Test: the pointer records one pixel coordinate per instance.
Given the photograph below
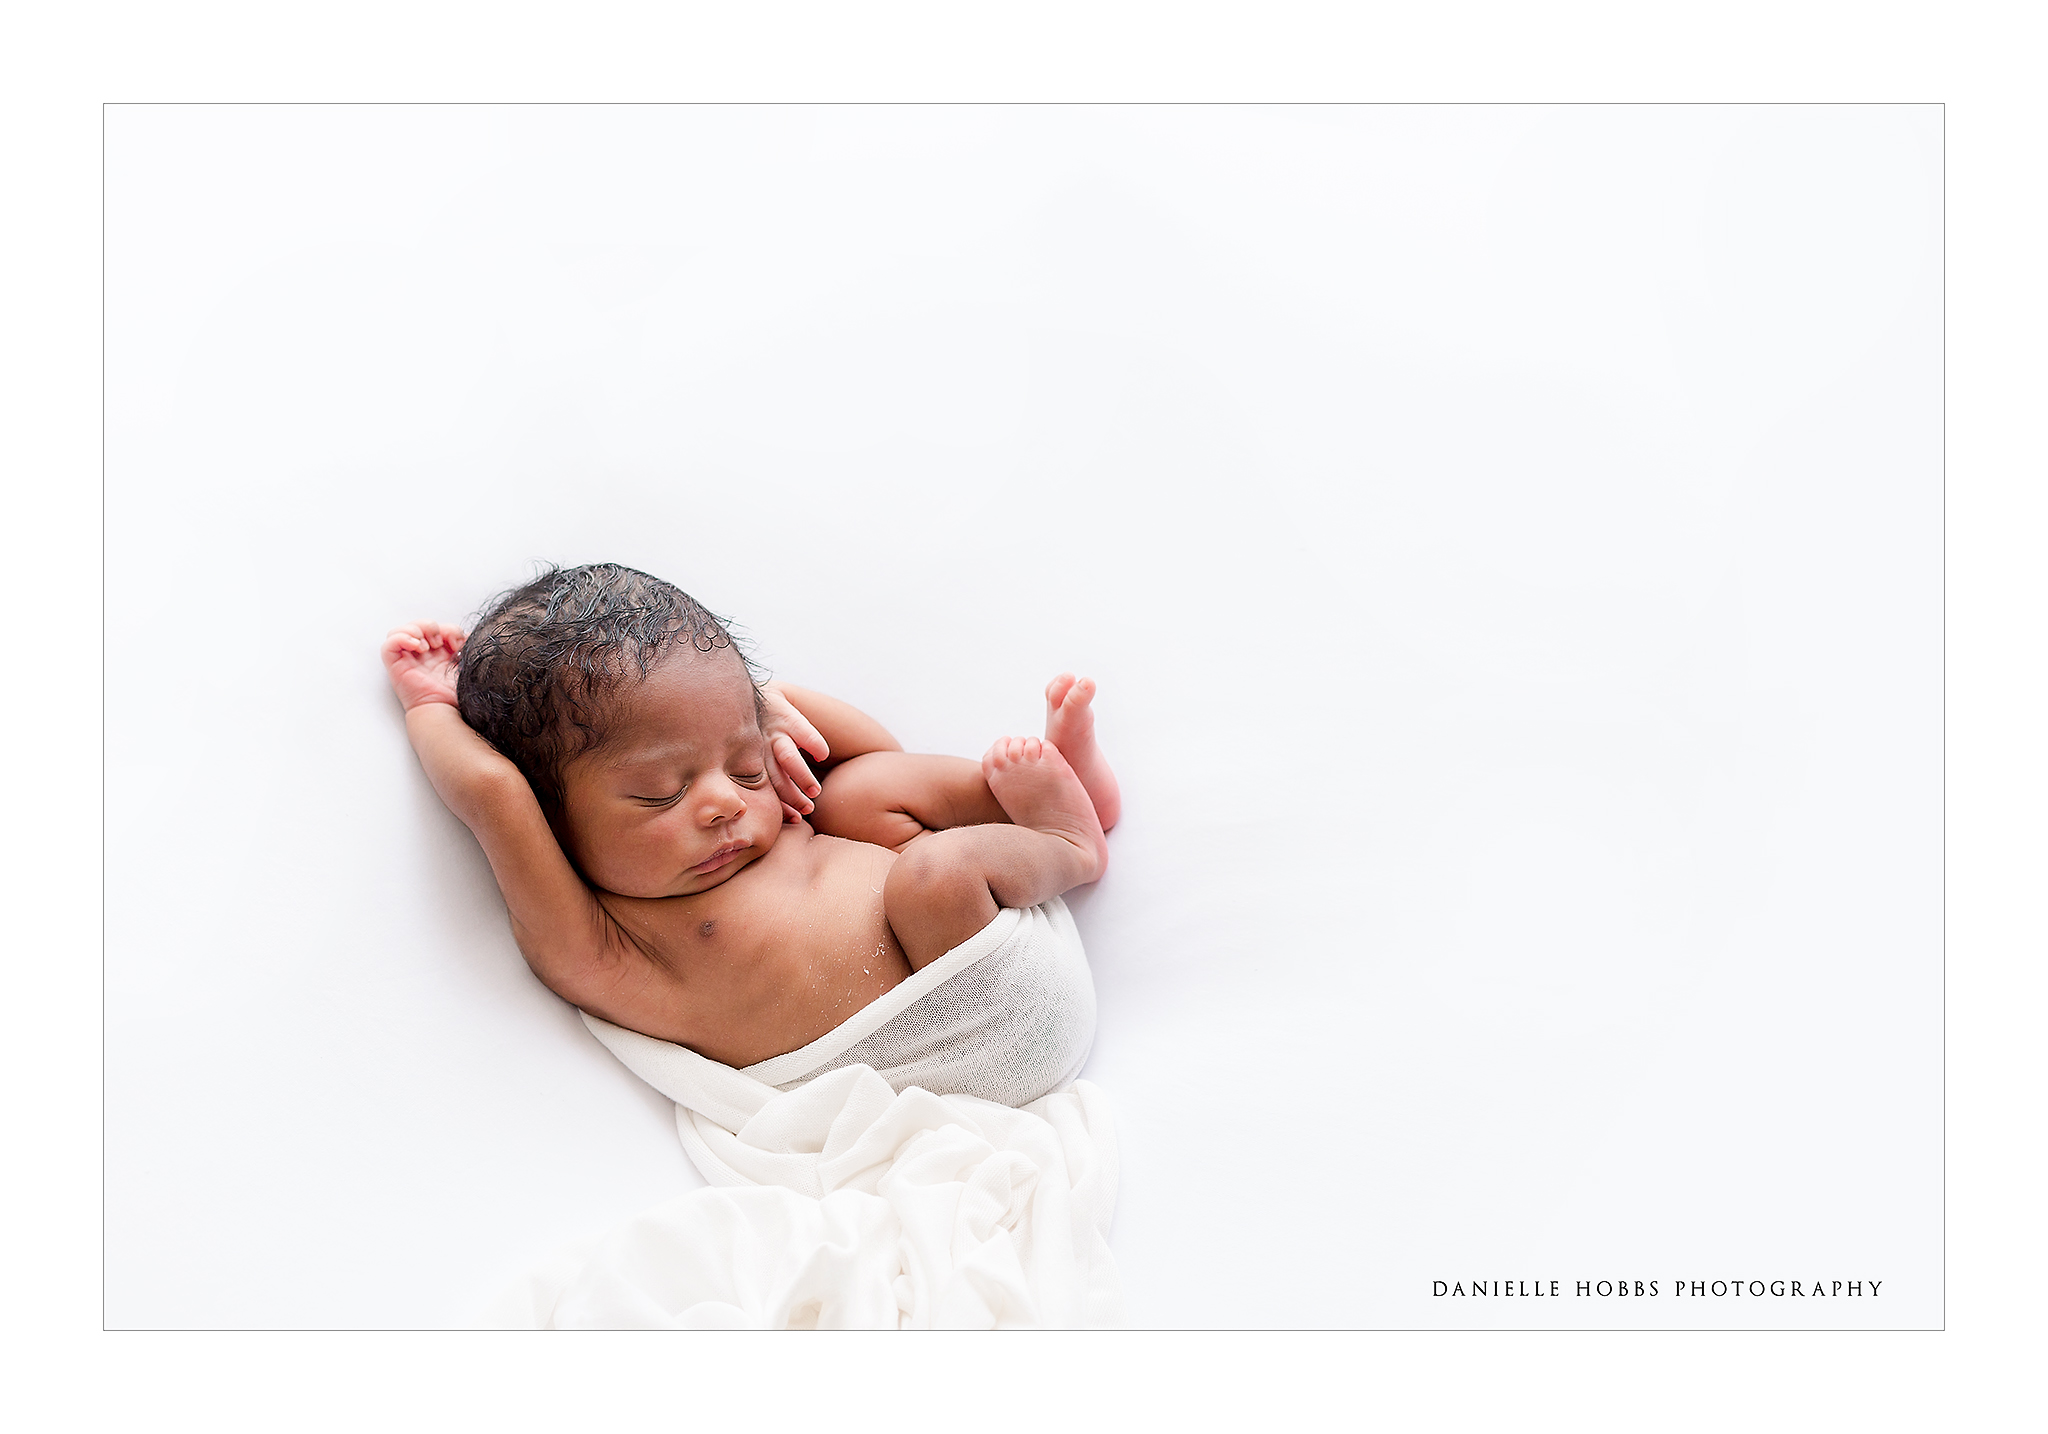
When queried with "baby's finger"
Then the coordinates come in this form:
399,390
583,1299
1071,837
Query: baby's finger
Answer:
439,634
785,787
792,763
808,737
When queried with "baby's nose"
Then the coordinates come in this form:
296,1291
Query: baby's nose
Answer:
723,800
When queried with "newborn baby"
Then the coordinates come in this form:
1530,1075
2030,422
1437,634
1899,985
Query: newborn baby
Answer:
671,862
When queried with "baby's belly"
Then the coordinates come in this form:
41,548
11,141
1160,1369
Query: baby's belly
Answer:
849,954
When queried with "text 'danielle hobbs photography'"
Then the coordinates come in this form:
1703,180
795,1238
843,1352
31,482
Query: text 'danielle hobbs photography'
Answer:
1655,1288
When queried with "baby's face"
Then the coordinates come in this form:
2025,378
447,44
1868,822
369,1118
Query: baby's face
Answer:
678,799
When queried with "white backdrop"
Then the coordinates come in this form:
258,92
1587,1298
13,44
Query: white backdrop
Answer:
1508,541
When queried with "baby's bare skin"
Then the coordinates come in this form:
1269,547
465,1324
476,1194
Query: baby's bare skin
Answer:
760,964
707,911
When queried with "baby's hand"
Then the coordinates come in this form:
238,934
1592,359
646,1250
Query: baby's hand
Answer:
788,729
419,658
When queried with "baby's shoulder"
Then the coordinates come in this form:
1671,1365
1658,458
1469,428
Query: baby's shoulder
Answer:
808,876
825,858
803,848
789,873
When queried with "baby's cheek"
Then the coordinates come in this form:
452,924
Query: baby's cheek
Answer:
637,850
667,838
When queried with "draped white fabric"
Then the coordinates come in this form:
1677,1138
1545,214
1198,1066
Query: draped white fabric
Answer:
844,1204
847,1197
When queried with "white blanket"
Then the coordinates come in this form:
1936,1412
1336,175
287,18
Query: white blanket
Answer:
843,1203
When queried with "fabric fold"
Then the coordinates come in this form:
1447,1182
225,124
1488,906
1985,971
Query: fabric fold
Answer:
844,1195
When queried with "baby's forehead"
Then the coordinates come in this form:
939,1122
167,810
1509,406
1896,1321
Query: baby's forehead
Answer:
688,698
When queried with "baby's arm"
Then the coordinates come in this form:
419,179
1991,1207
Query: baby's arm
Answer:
830,730
872,790
572,945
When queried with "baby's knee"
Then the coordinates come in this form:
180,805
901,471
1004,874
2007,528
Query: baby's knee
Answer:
935,872
936,897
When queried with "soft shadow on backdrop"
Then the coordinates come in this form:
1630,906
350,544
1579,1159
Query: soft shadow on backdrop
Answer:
1507,539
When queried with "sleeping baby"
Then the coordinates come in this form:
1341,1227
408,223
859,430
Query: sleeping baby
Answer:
673,864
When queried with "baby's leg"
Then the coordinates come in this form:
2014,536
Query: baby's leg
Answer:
951,884
1070,726
889,798
893,798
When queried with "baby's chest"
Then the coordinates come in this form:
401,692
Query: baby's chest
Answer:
771,968
777,913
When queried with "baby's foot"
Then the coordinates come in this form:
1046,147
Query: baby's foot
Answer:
1070,726
1038,789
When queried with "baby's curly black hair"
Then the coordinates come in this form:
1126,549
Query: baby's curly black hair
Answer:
542,658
